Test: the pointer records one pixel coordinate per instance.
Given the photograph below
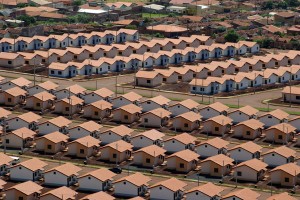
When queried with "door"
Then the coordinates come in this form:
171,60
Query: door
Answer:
216,54
202,57
70,73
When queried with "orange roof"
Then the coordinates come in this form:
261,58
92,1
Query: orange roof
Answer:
147,74
167,28
137,179
254,164
281,196
123,22
24,133
151,134
48,85
32,164
188,103
208,189
220,119
44,96
98,195
291,90
63,193
76,89
15,91
121,130
58,66
219,159
184,138
73,100
283,151
248,110
186,155
130,108
291,168
101,174
87,141
243,194
102,105
55,137
27,188
216,142
248,146
5,159
172,184
67,169
59,121
4,113
279,114
29,117
152,150
104,92
131,96
161,100
90,126
119,145
190,116
283,127
251,123
159,112
21,82
217,106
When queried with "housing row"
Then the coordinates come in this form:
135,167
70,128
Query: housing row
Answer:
99,181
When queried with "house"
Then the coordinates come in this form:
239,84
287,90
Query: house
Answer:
280,133
285,175
29,120
169,77
51,143
291,94
285,18
62,175
296,123
19,82
154,103
249,129
218,125
68,106
97,95
128,114
40,101
274,117
251,170
19,138
184,106
128,98
62,70
11,60
89,128
212,147
158,118
148,78
182,161
243,114
47,86
149,156
147,138
98,195
117,151
242,194
206,191
188,121
217,166
252,47
171,188
96,180
29,170
97,110
116,133
132,185
283,195
4,114
245,151
5,163
185,73
84,147
73,90
279,156
213,110
13,96
60,193
26,190
60,124
179,142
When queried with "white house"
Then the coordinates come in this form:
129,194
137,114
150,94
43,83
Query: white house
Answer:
245,151
179,142
213,110
147,138
128,98
115,134
154,103
183,107
206,191
59,124
243,114
212,147
87,128
97,95
274,117
279,156
29,120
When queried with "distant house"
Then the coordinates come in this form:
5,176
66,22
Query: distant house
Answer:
73,90
212,147
149,156
179,142
29,120
102,93
97,110
291,94
40,101
154,103
68,106
279,156
280,133
13,96
62,70
147,138
98,195
182,161
128,98
183,107
19,138
51,143
47,86
242,194
5,163
129,113
158,117
59,193
18,82
218,165
243,114
218,125
285,175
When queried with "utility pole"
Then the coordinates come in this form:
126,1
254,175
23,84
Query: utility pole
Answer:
4,133
116,85
34,71
290,83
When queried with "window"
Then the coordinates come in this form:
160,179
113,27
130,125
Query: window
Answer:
173,141
194,88
216,128
248,133
49,146
286,180
280,137
124,183
67,109
186,125
147,160
59,73
146,120
54,172
273,154
216,170
96,113
21,198
52,72
38,104
298,97
126,117
7,141
148,81
239,173
270,117
89,178
9,62
181,165
114,155
8,99
81,151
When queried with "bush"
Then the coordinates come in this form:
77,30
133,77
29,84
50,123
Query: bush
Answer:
231,36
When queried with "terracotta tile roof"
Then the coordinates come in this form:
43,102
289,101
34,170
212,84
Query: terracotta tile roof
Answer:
121,130
73,100
152,150
15,91
291,90
9,56
136,198
217,106
272,29
119,145
55,137
59,121
130,108
24,133
188,103
151,134
63,193
186,155
44,96
21,82
220,119
27,188
184,138
98,195
290,168
279,114
159,112
281,196
160,100
283,127
48,85
254,164
58,66
5,159
136,179
190,116
87,141
251,123
76,89
202,82
123,22
131,96
102,105
33,164
167,28
219,159
283,151
216,142
104,92
248,110
243,194
208,189
248,146
172,184
100,174
4,113
67,169
128,31
90,126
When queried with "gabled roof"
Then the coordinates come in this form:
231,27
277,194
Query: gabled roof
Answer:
103,92
188,103
151,134
98,195
248,146
15,91
55,137
102,105
283,151
29,117
90,126
76,89
121,130
48,85
131,96
73,100
159,112
217,106
23,133
119,145
186,155
152,150
220,160
279,114
220,119
215,142
21,82
160,100
251,123
147,74
254,164
101,174
291,168
4,113
27,188
130,108
248,110
32,164
283,127
87,141
183,138
190,116
136,179
243,194
209,189
172,184
67,169
281,196
61,193
5,159
44,96
291,90
59,121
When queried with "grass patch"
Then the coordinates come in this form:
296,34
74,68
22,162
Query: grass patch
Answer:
153,15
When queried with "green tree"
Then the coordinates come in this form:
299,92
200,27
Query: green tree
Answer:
80,18
231,36
134,27
27,19
77,2
267,5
